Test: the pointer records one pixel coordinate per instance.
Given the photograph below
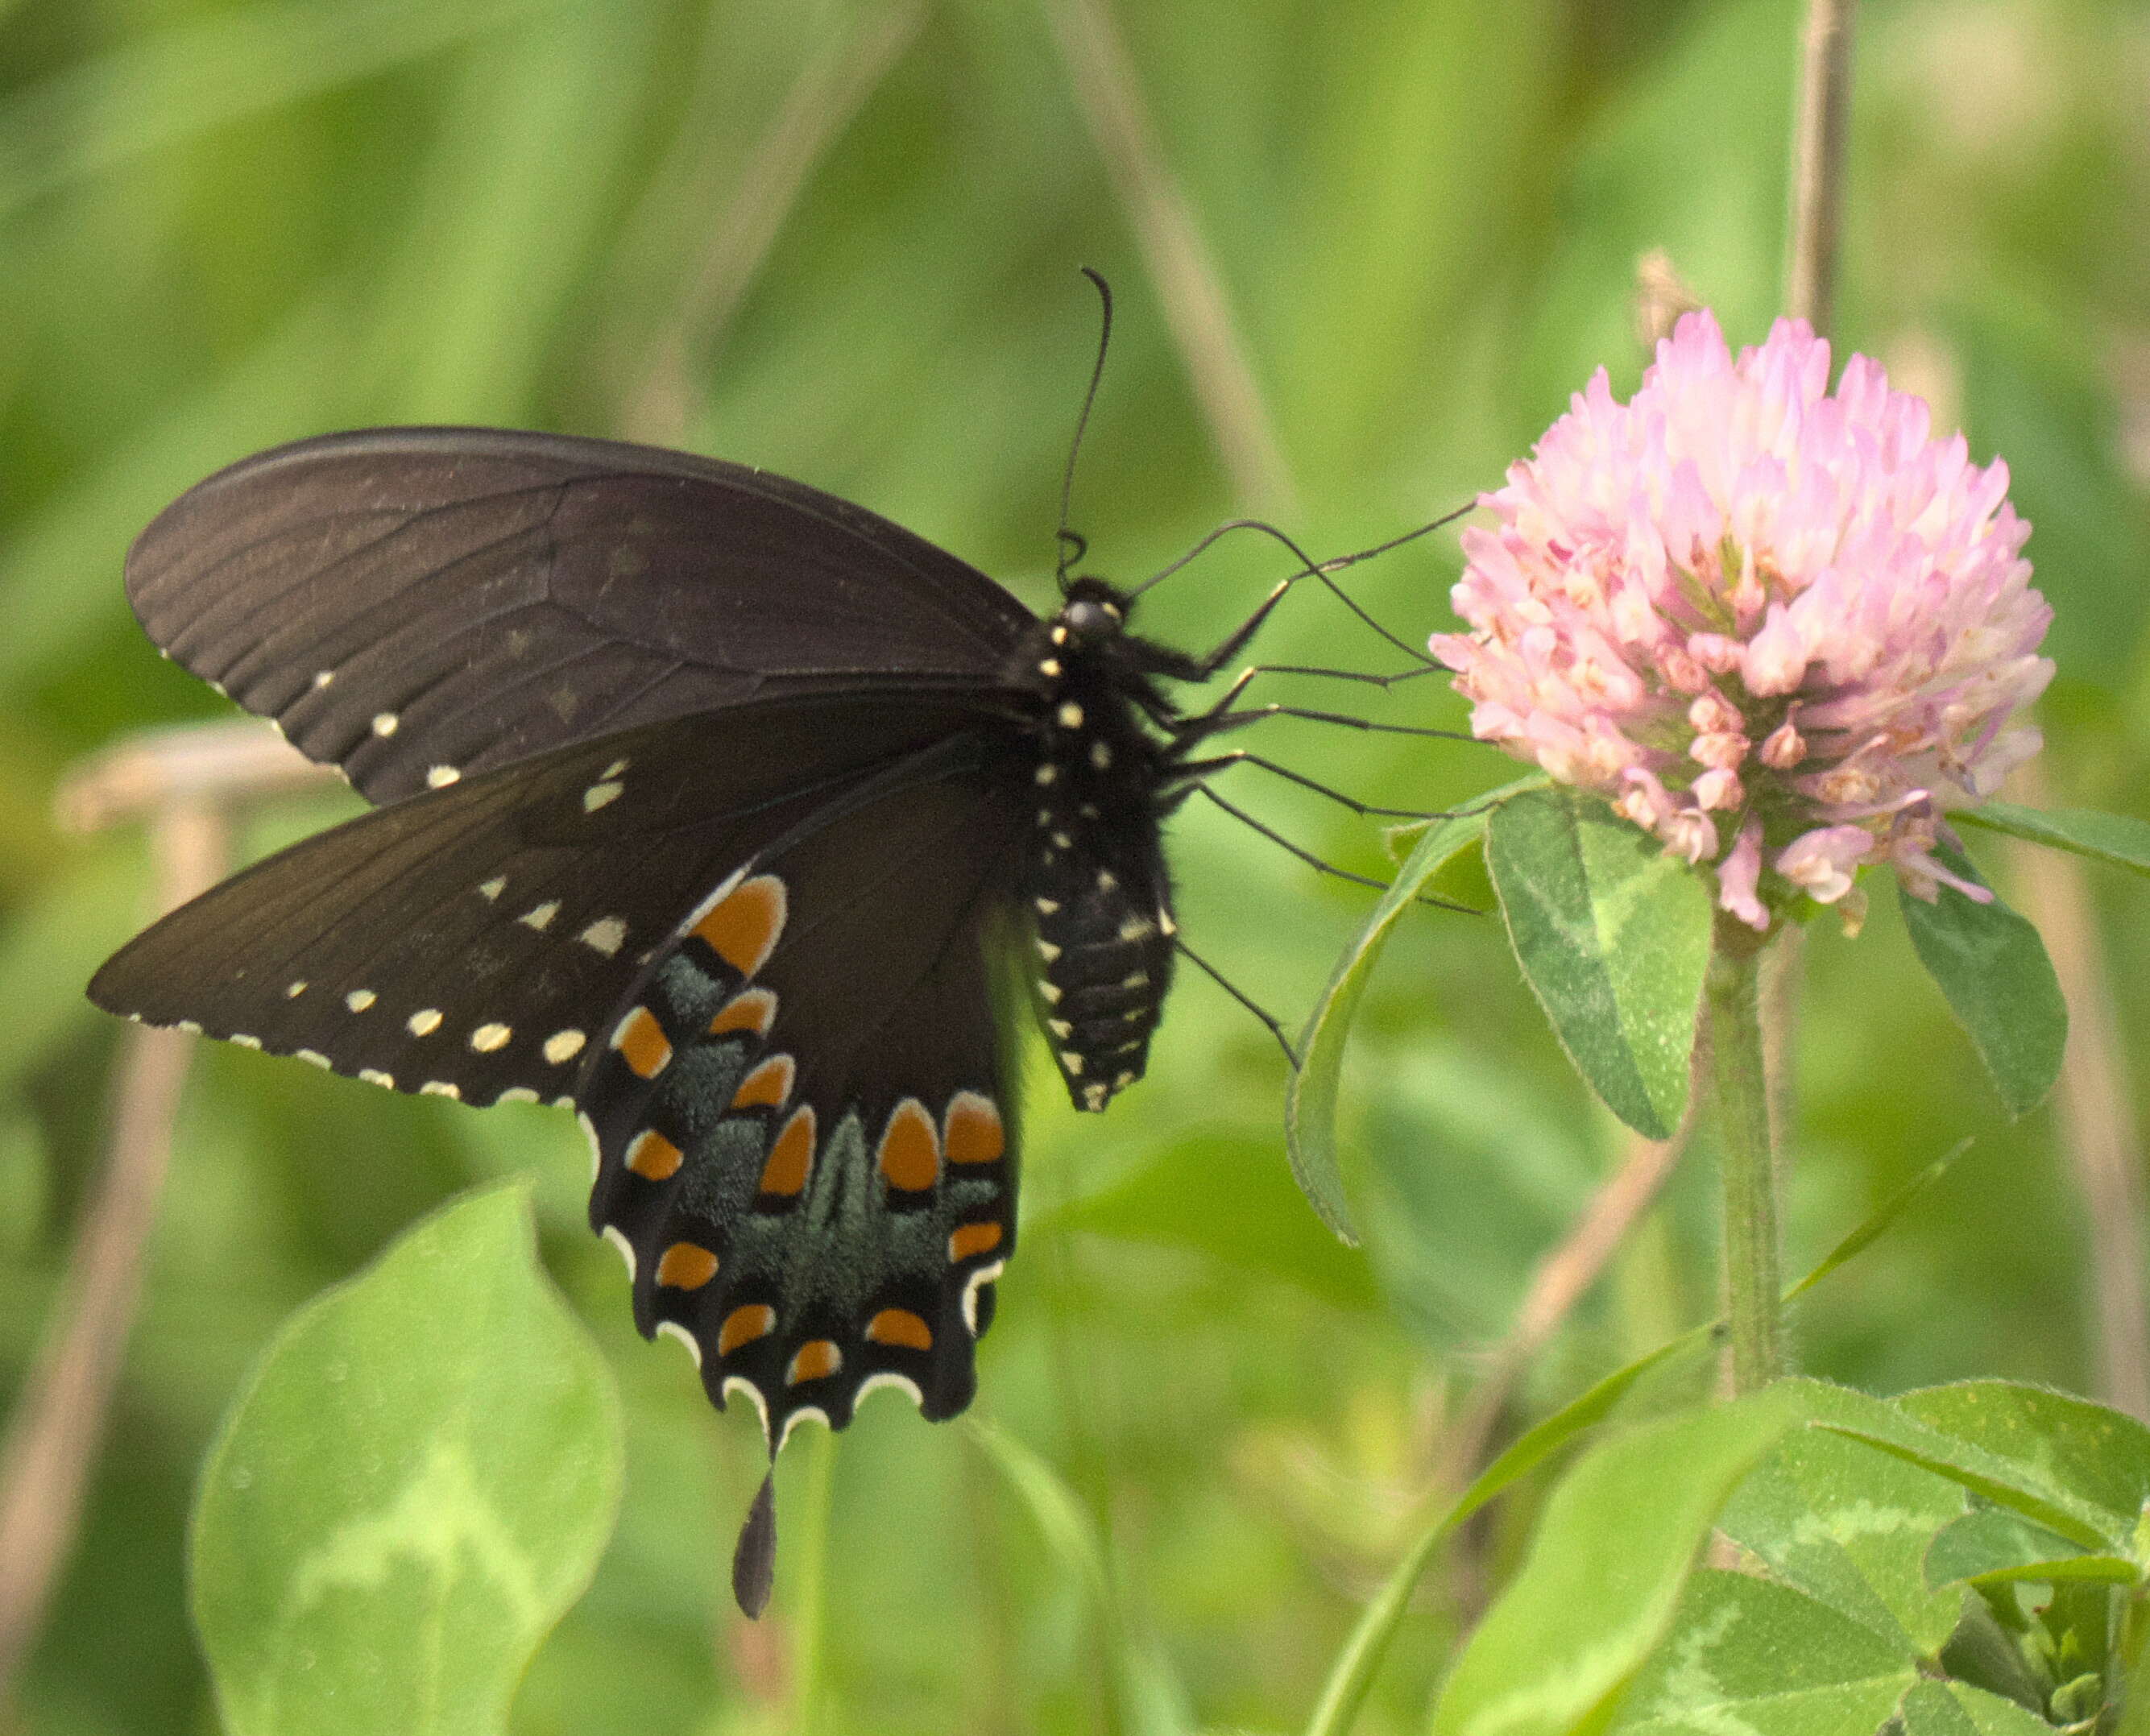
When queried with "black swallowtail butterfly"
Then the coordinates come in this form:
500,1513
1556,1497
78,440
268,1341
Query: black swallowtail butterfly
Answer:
709,804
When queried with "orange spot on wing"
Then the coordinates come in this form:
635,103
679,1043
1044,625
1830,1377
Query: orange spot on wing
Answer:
816,1360
791,1157
970,1239
754,1010
653,1157
975,1132
909,1154
685,1267
743,1325
742,929
899,1326
642,1044
767,1086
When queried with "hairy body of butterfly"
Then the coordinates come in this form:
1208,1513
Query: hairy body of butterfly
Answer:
709,804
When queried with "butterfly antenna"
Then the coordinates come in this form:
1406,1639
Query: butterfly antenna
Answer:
1072,545
1311,568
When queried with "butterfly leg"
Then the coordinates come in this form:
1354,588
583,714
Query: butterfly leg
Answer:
1198,768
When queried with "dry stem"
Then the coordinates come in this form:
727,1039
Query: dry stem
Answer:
1818,155
1188,281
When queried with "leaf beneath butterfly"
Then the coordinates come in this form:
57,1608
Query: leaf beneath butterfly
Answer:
1612,936
414,1487
1991,967
2118,840
1310,1107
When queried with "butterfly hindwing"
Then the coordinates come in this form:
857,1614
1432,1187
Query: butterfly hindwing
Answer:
804,1112
420,604
473,940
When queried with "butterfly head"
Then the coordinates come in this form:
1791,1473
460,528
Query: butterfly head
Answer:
1093,612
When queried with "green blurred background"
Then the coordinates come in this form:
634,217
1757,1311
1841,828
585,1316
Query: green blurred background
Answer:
840,239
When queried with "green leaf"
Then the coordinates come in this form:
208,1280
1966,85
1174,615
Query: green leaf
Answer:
1201,1194
1311,1103
1614,936
416,1484
1988,1541
1877,1222
1851,1525
1351,1677
1992,967
2062,1447
2062,1462
1763,1659
1601,1583
1150,1699
2116,838
1956,1709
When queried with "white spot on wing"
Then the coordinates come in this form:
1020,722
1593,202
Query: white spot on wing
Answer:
488,1038
607,935
359,999
322,678
385,723
1070,716
312,1057
541,915
1101,755
295,989
614,770
753,1392
903,1383
189,1025
563,1046
493,888
597,794
374,1076
424,1023
674,1330
439,1087
984,1274
1046,772
517,1094
801,1415
439,777
597,1151
243,1040
613,1235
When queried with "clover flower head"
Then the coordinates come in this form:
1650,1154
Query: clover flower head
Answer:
1782,629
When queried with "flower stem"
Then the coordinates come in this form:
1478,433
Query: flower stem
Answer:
1818,151
1737,1085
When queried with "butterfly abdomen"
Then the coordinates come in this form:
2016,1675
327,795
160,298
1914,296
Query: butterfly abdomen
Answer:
1095,880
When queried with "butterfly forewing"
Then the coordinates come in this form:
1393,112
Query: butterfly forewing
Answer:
803,1112
419,604
474,941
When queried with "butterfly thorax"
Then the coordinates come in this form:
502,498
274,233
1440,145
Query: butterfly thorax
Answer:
1094,880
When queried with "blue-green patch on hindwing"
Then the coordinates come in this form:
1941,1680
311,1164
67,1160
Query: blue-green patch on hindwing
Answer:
813,1212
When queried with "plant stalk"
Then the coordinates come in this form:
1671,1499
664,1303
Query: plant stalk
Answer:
1737,1083
1818,154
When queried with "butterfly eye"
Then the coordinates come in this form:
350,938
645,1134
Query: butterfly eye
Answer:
1087,620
